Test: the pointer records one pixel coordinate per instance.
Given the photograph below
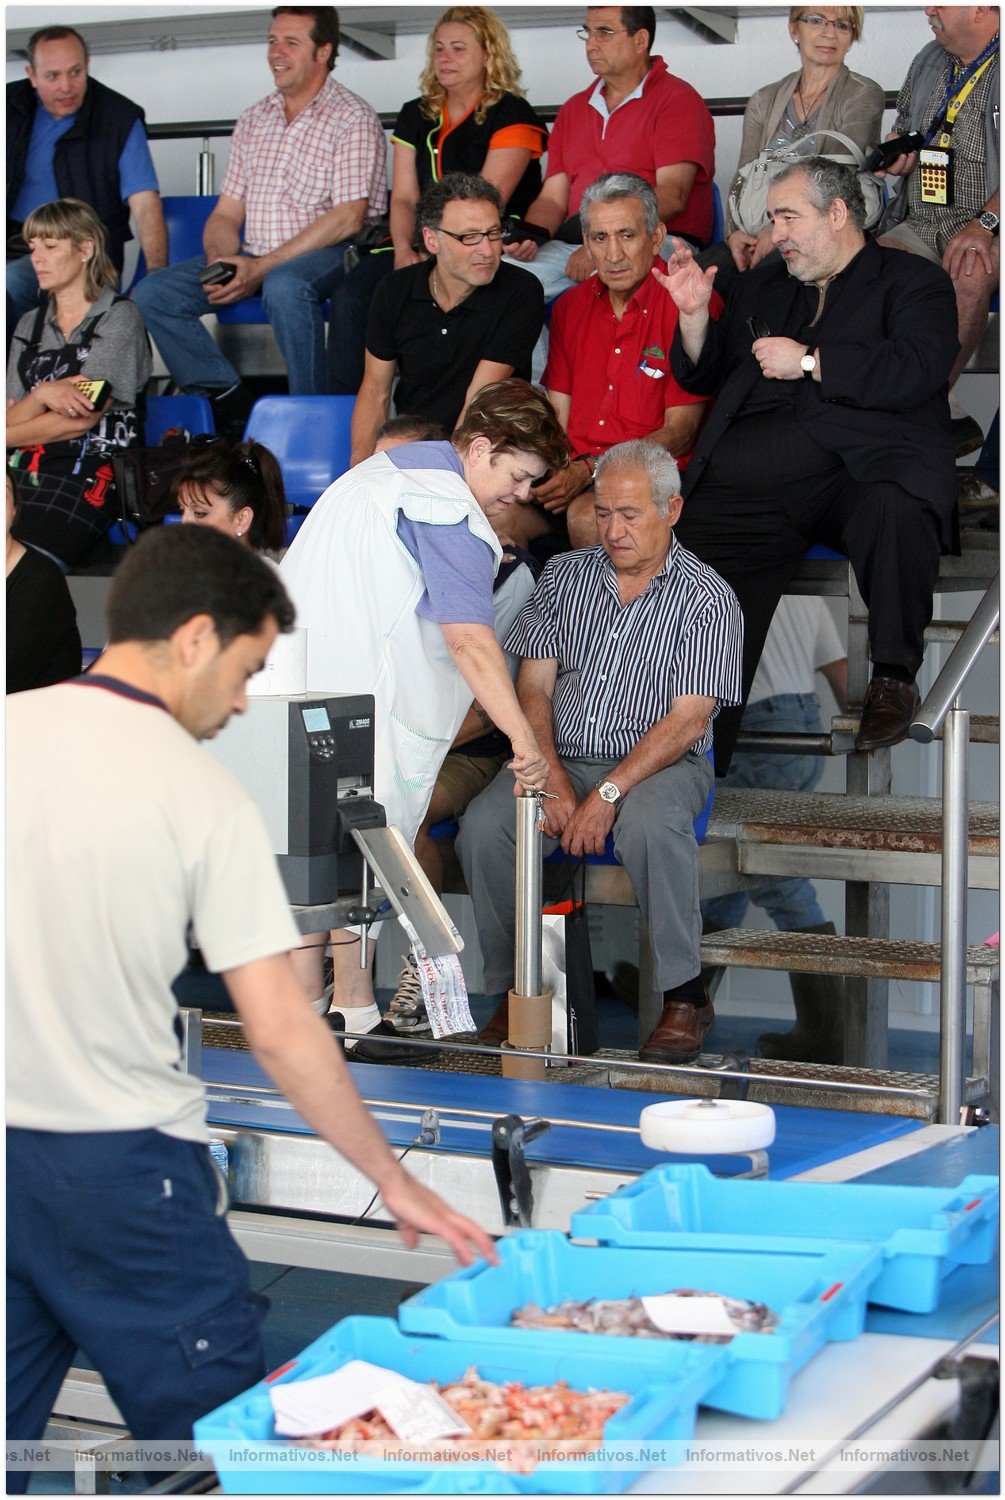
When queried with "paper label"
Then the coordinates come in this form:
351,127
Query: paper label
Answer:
304,1408
418,1414
445,993
674,1314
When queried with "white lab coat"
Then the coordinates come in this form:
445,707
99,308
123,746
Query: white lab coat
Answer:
355,588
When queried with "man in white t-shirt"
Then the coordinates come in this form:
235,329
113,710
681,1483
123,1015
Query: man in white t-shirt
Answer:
122,837
802,641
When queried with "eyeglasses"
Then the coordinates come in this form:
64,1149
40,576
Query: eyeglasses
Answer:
818,23
473,236
599,33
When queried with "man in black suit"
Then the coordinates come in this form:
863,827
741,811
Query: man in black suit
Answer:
831,424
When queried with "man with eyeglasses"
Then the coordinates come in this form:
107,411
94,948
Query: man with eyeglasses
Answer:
637,117
949,202
449,325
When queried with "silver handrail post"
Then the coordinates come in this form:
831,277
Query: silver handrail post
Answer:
529,878
955,849
205,170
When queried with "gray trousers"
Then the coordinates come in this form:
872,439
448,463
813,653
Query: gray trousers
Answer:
653,839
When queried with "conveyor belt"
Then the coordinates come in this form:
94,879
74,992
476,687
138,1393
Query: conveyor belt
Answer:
602,1128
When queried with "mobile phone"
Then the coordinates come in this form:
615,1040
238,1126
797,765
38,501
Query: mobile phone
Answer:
758,329
96,391
218,273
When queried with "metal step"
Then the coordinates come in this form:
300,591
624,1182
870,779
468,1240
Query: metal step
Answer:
948,632
913,1095
972,571
984,728
897,840
818,953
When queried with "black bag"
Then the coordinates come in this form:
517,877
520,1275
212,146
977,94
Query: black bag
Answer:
581,1026
144,476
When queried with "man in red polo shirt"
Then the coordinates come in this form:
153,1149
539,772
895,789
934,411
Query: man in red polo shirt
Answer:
638,118
608,374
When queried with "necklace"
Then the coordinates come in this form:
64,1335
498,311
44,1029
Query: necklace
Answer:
434,287
807,105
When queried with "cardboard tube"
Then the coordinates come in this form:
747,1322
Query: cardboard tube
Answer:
529,1026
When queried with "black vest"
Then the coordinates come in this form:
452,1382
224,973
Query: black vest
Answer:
86,158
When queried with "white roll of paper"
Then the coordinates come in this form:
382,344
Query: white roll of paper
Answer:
706,1127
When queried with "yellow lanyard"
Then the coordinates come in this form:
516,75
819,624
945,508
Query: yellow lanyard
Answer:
945,138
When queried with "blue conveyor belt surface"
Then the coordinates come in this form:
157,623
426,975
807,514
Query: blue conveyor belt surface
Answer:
805,1138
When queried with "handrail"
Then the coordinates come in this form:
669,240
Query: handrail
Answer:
946,688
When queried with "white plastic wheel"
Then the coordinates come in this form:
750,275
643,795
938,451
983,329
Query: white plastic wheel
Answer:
707,1127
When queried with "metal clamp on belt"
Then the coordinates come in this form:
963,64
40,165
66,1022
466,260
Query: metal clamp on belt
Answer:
510,1135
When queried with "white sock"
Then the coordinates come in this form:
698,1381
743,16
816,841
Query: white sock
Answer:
358,1018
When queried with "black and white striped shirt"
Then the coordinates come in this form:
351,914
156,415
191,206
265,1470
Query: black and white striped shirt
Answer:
620,667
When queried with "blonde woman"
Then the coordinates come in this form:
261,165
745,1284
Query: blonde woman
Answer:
470,117
823,95
60,436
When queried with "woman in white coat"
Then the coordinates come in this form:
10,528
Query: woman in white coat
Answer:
392,576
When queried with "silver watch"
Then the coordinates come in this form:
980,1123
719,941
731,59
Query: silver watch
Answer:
609,792
989,221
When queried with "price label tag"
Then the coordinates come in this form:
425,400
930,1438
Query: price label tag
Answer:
695,1315
418,1414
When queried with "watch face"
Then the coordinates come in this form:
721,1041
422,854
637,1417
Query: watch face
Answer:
609,791
808,363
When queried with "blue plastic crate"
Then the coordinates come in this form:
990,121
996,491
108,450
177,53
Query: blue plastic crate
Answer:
923,1232
240,1436
817,1290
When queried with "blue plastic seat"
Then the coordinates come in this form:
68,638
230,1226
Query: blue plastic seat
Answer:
718,217
309,436
194,413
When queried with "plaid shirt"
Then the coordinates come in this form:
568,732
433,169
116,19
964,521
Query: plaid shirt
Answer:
288,175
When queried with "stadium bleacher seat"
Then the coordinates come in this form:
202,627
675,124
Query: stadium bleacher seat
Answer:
309,436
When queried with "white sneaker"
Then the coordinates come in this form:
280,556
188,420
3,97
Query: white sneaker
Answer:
407,1010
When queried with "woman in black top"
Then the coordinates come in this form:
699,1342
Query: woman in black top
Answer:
470,117
43,643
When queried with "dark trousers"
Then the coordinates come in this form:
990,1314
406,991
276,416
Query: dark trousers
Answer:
350,306
767,494
117,1245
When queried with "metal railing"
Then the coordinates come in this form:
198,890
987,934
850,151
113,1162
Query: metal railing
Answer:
941,710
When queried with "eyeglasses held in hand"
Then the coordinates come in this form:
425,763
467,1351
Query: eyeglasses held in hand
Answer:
599,33
818,22
473,236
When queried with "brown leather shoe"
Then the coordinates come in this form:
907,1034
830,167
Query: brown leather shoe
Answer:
679,1033
496,1030
889,707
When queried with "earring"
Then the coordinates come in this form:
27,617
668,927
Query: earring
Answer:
238,533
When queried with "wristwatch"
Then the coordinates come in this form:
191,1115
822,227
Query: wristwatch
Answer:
808,364
590,460
989,221
609,792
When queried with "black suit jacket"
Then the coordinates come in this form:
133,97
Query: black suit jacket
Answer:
887,342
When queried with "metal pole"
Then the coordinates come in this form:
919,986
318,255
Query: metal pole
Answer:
205,170
955,848
528,893
364,901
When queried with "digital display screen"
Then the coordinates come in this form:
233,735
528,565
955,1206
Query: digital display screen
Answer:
315,719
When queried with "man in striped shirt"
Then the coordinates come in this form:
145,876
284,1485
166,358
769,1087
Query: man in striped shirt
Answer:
307,168
629,648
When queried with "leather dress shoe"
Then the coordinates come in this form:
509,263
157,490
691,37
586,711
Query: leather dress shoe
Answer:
679,1033
889,707
384,1045
967,433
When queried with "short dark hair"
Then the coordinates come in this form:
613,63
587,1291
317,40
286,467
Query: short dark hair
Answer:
176,572
455,187
640,18
324,28
415,429
53,34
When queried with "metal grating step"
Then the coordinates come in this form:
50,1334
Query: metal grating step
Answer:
816,953
984,728
908,825
949,632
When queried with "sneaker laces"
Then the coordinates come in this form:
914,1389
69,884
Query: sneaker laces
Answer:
407,1010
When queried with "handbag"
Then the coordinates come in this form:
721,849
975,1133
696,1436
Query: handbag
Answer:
144,477
748,197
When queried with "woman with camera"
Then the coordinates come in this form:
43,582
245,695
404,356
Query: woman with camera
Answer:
78,365
823,96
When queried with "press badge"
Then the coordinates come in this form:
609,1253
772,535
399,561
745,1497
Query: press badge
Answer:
936,168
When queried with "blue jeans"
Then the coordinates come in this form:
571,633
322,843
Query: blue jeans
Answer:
548,266
791,904
22,288
117,1244
172,302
